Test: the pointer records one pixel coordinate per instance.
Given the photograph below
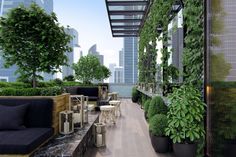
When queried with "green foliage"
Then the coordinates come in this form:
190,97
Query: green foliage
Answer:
158,17
157,106
135,95
158,124
58,82
185,115
52,91
34,41
72,83
219,71
194,42
69,78
146,105
14,85
89,68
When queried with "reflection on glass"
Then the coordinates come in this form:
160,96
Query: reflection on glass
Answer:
221,132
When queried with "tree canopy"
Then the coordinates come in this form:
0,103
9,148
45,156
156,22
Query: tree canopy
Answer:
89,68
34,41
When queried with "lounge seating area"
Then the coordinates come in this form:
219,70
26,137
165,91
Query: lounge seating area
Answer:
25,124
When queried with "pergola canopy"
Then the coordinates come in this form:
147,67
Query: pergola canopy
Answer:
126,16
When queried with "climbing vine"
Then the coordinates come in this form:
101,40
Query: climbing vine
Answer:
159,17
193,42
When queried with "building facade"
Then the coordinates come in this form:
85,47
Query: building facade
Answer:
112,69
118,75
9,74
130,60
121,58
67,70
93,51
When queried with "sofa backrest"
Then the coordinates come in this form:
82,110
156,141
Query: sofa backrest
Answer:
39,113
80,90
88,91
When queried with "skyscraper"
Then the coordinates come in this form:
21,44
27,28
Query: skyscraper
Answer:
93,51
5,5
112,69
121,58
67,70
130,60
118,75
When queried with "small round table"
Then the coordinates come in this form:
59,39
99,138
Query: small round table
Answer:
107,114
116,104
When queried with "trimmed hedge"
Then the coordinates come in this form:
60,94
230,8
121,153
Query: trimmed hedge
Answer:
14,84
146,105
157,106
135,95
158,124
52,91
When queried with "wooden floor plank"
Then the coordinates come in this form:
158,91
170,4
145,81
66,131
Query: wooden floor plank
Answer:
129,137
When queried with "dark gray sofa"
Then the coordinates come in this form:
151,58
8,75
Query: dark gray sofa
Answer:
37,126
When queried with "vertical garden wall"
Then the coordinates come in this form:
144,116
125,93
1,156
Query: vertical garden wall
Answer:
160,15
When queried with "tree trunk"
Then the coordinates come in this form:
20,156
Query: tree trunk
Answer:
34,80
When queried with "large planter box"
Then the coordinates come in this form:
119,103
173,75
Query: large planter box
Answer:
61,103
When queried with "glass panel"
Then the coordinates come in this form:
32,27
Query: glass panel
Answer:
126,17
221,89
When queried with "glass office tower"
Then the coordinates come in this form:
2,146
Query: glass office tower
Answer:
130,60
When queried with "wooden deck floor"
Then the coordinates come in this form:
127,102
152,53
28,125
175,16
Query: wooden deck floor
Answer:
129,137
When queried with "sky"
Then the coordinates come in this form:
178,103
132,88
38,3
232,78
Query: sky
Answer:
90,19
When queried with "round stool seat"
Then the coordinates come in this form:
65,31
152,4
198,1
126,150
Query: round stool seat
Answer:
107,114
107,107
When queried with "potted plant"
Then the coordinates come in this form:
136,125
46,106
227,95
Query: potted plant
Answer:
157,127
135,95
185,120
146,106
157,106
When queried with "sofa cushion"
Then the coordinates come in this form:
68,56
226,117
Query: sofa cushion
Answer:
12,117
23,141
72,90
39,114
88,91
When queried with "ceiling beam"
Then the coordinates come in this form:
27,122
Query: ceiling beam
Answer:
125,20
126,12
127,3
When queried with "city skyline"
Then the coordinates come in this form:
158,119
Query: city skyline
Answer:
91,22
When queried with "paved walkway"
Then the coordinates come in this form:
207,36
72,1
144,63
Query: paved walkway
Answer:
129,137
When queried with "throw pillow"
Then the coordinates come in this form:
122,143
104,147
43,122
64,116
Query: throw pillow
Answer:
12,117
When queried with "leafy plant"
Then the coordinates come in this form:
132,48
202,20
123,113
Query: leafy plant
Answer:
89,68
157,106
33,40
135,95
158,124
69,78
52,91
185,115
146,105
57,82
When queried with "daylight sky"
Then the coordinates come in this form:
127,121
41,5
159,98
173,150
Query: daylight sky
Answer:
90,19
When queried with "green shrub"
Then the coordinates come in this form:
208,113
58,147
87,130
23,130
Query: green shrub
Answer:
52,91
14,85
158,124
146,105
58,82
135,95
157,106
185,115
71,83
69,78
46,84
